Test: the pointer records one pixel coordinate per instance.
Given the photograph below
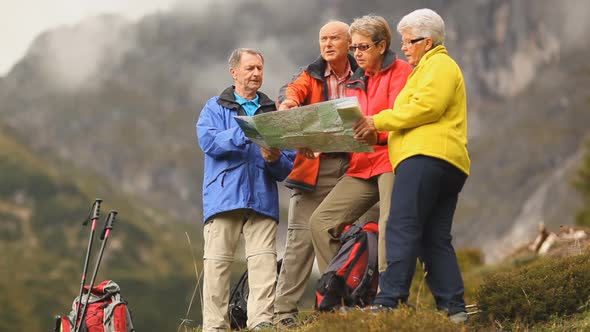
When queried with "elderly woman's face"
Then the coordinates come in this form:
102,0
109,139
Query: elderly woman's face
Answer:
414,47
367,54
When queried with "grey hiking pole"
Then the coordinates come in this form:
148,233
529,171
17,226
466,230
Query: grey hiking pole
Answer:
472,309
104,237
57,327
95,217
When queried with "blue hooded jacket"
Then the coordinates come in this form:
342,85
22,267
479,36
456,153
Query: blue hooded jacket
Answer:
236,176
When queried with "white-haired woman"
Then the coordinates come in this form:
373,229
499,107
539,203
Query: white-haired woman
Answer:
428,152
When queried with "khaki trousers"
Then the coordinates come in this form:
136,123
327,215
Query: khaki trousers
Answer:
222,234
347,202
299,253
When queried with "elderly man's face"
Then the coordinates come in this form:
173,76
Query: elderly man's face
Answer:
248,74
334,41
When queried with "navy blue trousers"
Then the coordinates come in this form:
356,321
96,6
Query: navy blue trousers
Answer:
423,203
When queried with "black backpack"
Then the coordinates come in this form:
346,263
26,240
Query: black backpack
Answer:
352,277
238,301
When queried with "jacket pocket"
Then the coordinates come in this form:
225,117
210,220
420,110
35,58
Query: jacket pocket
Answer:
223,173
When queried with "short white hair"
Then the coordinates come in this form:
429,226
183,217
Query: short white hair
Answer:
424,23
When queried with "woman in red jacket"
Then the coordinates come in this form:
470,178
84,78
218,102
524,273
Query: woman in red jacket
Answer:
376,83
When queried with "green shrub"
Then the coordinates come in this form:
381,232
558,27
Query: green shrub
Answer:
582,184
537,292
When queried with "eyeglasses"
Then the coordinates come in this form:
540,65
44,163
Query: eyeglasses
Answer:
412,41
362,47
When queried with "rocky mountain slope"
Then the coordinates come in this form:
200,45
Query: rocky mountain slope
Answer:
120,98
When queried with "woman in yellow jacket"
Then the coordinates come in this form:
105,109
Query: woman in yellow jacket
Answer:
428,151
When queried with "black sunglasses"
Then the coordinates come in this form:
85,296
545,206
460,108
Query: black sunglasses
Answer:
362,47
412,41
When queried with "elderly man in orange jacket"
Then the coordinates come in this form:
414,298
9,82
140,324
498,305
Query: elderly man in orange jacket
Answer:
313,175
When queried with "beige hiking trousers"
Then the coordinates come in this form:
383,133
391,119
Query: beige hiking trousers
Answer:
222,234
299,254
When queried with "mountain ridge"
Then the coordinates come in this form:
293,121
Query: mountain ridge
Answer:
131,120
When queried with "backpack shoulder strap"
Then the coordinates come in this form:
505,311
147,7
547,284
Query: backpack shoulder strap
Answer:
370,270
110,317
238,292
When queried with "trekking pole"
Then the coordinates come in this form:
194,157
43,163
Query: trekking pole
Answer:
108,226
94,216
472,309
57,327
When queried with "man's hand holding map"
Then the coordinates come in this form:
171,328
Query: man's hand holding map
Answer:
321,127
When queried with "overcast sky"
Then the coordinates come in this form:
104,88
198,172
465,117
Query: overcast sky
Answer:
22,20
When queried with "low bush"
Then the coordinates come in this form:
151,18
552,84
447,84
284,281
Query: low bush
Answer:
537,292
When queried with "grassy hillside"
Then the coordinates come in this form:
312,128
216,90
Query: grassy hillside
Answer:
43,242
523,293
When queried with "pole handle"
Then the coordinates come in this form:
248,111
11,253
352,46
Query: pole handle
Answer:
57,327
94,211
108,225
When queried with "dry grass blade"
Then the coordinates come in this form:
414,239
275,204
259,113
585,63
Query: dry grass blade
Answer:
186,321
421,285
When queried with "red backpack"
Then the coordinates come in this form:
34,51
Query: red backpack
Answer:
107,311
352,277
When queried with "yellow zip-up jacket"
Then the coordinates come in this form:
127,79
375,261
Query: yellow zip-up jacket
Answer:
429,116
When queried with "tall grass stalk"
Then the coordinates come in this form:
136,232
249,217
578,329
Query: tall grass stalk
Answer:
421,285
185,321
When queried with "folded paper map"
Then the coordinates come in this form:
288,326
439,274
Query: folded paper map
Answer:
321,127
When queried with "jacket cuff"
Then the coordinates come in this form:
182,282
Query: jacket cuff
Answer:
382,137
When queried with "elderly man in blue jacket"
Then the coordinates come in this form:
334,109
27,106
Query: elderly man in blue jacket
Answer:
240,196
